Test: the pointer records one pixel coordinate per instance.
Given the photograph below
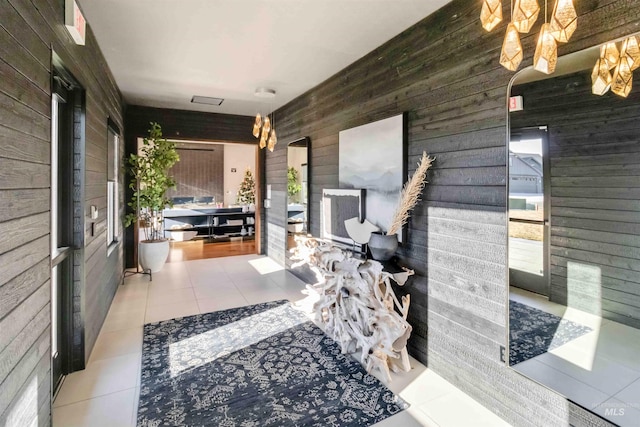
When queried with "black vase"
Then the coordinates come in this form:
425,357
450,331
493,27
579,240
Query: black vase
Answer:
383,246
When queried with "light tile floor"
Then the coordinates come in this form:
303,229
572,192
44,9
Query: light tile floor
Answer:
106,392
599,370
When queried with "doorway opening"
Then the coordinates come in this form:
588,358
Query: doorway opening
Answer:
67,222
529,210
215,211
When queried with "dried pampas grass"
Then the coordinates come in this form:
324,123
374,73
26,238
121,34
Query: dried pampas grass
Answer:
410,195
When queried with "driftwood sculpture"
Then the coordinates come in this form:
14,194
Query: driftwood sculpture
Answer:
357,305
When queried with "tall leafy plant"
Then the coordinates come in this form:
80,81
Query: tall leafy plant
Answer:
293,185
150,181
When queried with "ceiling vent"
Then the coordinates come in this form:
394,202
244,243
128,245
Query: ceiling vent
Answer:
206,100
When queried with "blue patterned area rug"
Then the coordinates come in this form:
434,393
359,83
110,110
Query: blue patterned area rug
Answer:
534,332
255,366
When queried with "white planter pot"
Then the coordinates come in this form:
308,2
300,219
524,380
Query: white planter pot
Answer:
153,255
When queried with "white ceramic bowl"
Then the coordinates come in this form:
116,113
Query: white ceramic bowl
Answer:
182,235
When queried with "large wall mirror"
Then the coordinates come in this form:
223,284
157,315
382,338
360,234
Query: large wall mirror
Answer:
574,237
297,189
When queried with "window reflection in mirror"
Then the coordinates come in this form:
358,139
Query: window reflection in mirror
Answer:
297,190
574,237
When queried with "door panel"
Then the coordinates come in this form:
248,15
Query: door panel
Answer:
529,211
62,190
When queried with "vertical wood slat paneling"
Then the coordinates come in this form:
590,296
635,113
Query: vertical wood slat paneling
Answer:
444,72
28,31
199,173
595,258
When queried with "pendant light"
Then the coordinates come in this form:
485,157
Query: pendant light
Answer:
262,128
564,20
622,76
511,55
273,140
600,77
622,79
633,53
525,14
256,125
546,55
609,53
623,62
263,140
491,14
266,128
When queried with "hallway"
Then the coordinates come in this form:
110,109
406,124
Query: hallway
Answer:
106,392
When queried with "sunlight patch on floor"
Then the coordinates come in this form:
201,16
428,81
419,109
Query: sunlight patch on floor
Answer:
224,341
265,265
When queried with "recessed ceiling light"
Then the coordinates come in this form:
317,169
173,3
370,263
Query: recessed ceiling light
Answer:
206,100
263,92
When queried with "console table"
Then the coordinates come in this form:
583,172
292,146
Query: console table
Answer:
217,224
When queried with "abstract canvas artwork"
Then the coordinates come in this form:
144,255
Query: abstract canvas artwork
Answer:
372,158
339,205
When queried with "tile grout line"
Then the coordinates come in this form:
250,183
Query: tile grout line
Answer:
587,384
94,397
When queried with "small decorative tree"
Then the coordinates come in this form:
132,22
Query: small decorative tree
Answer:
293,186
150,182
247,191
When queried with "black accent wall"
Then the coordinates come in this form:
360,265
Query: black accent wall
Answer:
444,72
29,30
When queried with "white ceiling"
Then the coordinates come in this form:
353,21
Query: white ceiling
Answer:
162,52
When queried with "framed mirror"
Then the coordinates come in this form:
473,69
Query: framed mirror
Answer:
574,236
297,189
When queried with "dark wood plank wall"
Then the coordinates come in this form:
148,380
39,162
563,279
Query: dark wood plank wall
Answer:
444,72
594,147
28,31
187,125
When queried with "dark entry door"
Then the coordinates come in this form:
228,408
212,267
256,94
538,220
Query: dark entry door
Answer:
529,205
62,219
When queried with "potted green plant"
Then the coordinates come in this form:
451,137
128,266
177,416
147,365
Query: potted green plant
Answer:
293,185
150,181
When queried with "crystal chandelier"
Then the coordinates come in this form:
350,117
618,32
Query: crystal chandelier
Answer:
262,128
524,14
